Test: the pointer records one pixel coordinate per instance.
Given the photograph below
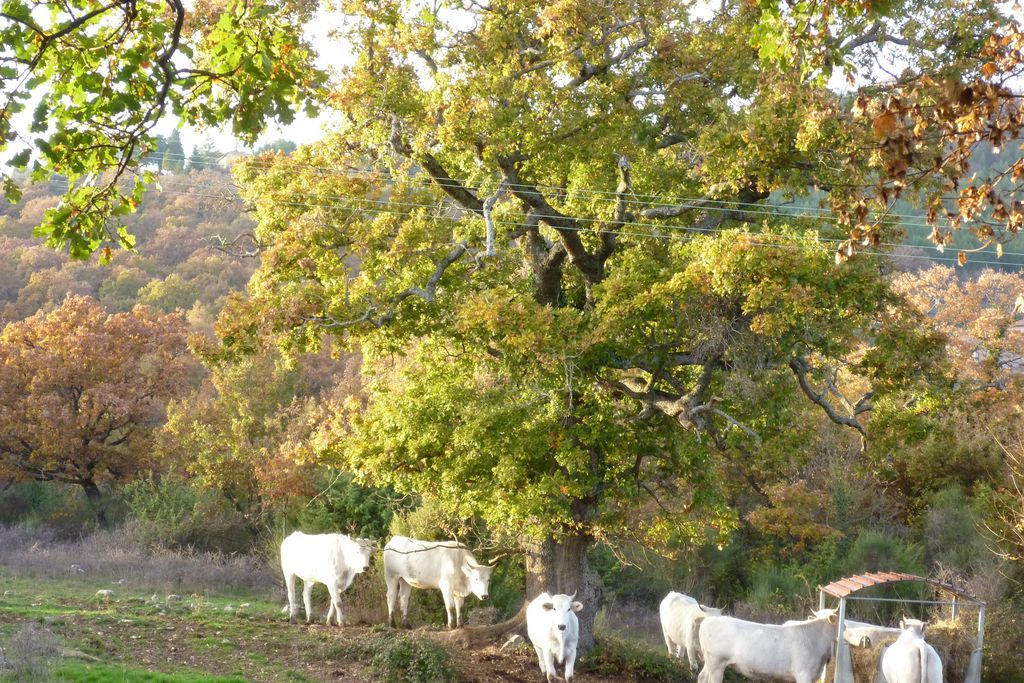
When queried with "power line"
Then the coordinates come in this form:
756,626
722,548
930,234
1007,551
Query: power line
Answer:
639,234
637,224
681,201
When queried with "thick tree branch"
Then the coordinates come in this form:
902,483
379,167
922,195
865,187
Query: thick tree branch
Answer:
801,369
568,228
426,293
719,212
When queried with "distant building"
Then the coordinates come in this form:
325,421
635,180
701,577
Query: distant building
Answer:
228,159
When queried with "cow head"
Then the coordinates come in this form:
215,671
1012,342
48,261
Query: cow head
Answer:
478,577
914,625
359,553
829,615
559,607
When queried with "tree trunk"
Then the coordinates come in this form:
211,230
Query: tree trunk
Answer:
92,494
560,566
555,566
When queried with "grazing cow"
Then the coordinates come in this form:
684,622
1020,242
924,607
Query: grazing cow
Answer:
681,618
331,559
910,659
446,565
796,651
554,630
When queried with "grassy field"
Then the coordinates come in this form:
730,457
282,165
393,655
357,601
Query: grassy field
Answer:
55,627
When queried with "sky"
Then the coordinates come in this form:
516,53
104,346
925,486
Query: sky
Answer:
332,56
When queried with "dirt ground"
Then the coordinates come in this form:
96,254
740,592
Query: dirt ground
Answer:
316,652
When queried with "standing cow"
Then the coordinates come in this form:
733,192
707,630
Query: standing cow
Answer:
447,565
795,651
554,630
910,659
331,559
681,618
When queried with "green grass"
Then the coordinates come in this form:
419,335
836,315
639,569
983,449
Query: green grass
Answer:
239,644
114,673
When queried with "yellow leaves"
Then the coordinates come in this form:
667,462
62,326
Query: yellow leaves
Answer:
989,69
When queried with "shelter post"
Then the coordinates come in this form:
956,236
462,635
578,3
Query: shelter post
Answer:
974,665
844,665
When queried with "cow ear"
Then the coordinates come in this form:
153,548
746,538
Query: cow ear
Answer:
548,606
833,618
577,606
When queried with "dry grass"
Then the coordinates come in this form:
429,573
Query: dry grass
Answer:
114,556
29,655
952,640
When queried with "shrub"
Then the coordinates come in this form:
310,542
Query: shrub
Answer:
874,551
627,660
346,507
172,514
61,509
404,659
950,534
776,594
30,655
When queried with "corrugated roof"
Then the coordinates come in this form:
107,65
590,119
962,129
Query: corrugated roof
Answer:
852,584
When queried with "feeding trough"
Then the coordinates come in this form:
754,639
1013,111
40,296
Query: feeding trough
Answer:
845,590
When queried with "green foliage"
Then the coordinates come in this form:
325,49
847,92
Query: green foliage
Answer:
398,658
103,77
779,592
950,530
631,661
172,513
341,505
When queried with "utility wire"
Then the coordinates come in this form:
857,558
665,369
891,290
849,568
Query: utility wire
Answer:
654,201
640,234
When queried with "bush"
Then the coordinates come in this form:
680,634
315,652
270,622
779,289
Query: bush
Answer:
630,661
950,534
776,594
30,655
874,551
59,508
342,506
172,514
404,659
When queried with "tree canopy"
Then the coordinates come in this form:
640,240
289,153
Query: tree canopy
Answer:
82,390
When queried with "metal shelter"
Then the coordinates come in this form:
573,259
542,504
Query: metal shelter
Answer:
843,590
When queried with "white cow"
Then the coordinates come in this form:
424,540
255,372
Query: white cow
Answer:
796,651
446,565
331,559
910,659
681,618
554,630
861,634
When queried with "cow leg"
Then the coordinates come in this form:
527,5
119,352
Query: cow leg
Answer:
404,593
293,609
540,659
570,662
713,672
307,599
549,665
335,607
691,654
449,603
393,588
459,600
